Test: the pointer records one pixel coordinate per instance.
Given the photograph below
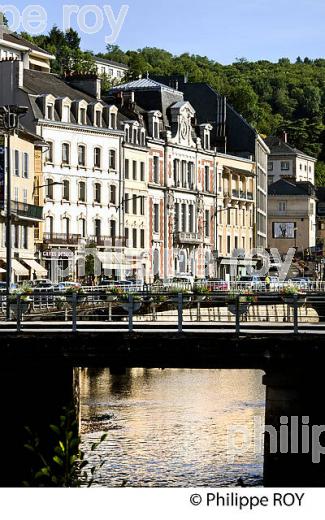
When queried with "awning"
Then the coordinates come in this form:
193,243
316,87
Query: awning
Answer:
19,269
111,260
2,270
35,266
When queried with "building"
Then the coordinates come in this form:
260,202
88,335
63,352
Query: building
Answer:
14,47
233,135
286,162
292,216
26,215
82,167
113,70
320,233
184,194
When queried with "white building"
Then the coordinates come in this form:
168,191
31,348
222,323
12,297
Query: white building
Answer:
116,72
14,47
82,166
287,162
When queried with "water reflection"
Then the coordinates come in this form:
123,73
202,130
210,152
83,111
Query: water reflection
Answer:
169,427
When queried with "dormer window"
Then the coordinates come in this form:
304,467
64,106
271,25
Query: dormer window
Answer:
155,130
143,138
98,118
50,112
127,134
83,116
207,141
135,136
113,120
66,114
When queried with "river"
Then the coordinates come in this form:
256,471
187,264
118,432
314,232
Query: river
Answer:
174,428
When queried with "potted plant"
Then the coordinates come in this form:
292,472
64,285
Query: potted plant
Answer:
201,292
112,294
174,292
23,295
70,291
245,299
137,301
291,294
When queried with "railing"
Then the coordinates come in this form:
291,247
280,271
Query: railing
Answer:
164,311
27,210
183,237
61,239
105,241
289,213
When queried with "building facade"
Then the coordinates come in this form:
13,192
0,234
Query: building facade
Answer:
292,217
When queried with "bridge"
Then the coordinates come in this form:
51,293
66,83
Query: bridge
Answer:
41,354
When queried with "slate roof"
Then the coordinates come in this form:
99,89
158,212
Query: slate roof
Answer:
113,63
291,188
18,40
38,83
143,84
279,147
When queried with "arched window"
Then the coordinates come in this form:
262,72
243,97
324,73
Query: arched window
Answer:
65,153
82,191
66,190
81,155
113,195
97,157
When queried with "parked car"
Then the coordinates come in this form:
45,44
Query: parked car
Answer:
301,283
63,286
252,282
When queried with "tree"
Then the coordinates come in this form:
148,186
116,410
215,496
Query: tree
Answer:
320,174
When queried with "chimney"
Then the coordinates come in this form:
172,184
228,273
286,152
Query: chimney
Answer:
284,137
89,84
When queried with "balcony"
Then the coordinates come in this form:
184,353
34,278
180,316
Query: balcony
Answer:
27,211
183,237
61,239
105,241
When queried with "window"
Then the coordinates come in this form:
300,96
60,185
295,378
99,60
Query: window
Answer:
98,190
16,194
113,195
66,226
155,134
16,237
25,196
207,223
207,178
82,191
134,204
98,118
126,203
176,172
143,138
83,116
127,134
135,136
142,172
112,226
66,190
127,168
134,238
184,171
176,216
191,218
112,159
228,245
113,121
49,189
25,165
24,237
17,167
183,217
190,175
82,227
49,153
270,166
285,166
50,112
126,234
134,170
97,157
141,205
49,225
142,238
81,155
66,114
65,153
156,169
156,218
97,228
282,206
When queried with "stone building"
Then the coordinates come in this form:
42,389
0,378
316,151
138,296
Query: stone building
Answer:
292,216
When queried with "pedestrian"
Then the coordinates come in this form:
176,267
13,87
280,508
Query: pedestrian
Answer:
267,283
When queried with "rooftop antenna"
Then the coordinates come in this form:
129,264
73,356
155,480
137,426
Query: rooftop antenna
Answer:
147,74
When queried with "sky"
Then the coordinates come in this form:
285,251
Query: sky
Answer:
223,30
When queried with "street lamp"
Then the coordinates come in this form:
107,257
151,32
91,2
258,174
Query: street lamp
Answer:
10,115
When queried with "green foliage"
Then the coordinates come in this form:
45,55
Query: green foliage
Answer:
65,467
320,173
